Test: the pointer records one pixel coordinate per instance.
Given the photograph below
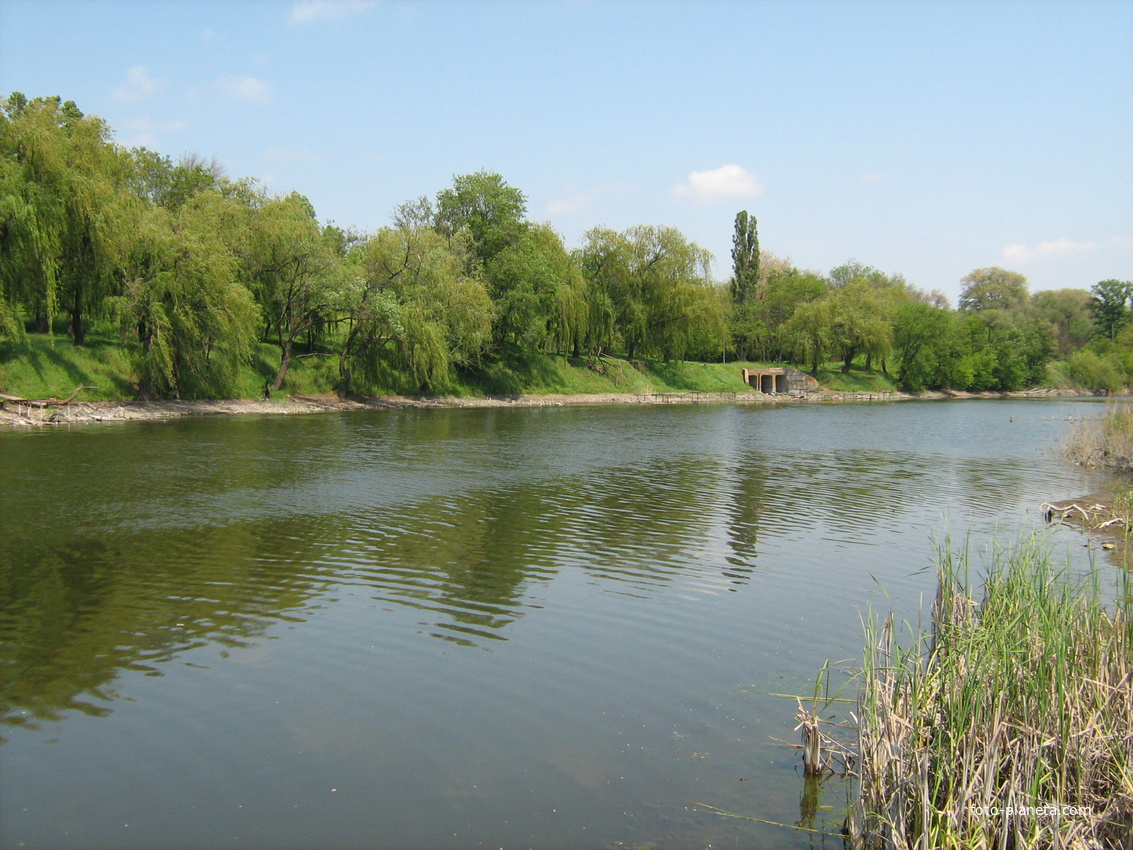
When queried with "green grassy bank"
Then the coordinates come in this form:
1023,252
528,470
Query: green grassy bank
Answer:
51,366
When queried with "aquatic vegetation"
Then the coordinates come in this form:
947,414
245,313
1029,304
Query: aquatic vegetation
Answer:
1008,724
1104,442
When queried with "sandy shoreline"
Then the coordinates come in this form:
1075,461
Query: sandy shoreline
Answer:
17,415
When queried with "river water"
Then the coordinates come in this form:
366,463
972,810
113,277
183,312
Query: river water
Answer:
547,627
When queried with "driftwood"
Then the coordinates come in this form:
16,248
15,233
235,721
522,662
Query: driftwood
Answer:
43,402
1097,516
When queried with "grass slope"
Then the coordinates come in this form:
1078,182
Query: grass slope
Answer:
51,366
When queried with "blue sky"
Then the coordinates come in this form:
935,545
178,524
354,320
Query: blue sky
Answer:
925,138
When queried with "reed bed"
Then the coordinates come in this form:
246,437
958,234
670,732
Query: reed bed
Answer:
1009,724
1107,441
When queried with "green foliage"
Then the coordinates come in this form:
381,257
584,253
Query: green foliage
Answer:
65,213
993,289
1100,374
407,301
924,342
197,269
486,207
523,280
294,271
745,285
658,287
194,321
1068,311
1110,306
766,322
745,259
155,179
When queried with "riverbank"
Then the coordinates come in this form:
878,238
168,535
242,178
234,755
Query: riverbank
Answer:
40,413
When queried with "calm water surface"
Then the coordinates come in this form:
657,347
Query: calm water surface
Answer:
556,627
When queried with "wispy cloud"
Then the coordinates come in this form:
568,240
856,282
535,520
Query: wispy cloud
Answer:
873,177
138,86
573,204
728,182
244,88
1059,247
145,132
306,11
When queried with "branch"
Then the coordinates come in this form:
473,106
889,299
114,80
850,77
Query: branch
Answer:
43,402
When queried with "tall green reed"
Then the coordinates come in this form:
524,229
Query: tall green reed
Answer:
1009,724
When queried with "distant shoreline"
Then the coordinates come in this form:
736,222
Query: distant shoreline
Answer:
17,415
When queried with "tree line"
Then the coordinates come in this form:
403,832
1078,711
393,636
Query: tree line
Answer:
192,269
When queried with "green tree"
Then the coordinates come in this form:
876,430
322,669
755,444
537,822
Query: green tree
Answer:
655,282
745,286
1095,372
194,319
1068,311
294,273
66,214
1001,351
1110,305
487,208
156,179
745,259
408,303
993,289
854,272
524,280
860,322
784,290
809,333
924,344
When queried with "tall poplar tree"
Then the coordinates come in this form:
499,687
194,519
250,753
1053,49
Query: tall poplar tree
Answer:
745,283
745,259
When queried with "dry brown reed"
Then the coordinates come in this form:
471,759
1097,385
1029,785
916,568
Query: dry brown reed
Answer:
1010,725
1104,442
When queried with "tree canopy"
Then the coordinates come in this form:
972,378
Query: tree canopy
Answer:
198,275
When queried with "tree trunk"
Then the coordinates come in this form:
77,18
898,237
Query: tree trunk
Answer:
77,330
284,363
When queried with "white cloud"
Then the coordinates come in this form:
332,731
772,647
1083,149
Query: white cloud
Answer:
138,86
719,185
873,177
1059,247
304,11
244,88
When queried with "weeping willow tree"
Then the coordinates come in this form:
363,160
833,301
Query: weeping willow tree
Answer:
659,287
409,305
193,318
66,213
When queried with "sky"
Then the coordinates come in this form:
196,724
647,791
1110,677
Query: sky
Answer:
922,138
